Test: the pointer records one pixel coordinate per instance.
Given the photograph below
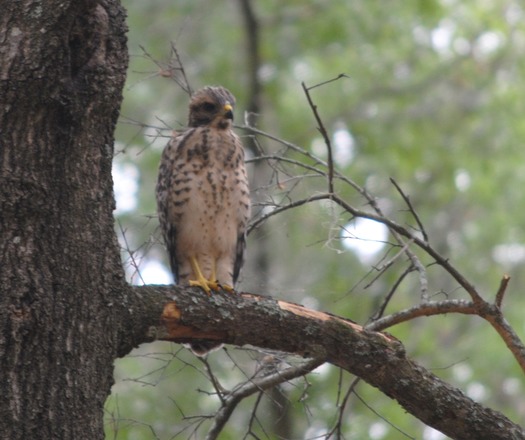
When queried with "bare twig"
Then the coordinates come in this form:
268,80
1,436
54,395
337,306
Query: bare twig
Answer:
324,133
425,309
253,416
502,289
173,68
393,226
213,379
179,67
296,148
362,191
382,417
134,263
253,386
411,208
341,75
283,208
395,257
341,409
489,312
390,294
493,315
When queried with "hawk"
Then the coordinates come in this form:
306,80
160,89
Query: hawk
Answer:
203,199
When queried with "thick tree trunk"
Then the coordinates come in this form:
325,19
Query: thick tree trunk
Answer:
62,69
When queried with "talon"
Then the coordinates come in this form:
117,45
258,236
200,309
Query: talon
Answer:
200,281
228,288
203,284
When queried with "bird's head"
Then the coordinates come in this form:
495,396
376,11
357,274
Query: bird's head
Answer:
211,106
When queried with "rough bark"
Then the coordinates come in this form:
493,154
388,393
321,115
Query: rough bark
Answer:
62,69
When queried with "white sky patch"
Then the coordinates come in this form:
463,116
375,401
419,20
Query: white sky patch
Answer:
512,386
316,431
267,72
301,70
154,272
462,372
365,238
461,46
489,42
477,391
462,180
343,146
509,253
432,434
442,36
126,185
514,14
323,370
319,147
378,430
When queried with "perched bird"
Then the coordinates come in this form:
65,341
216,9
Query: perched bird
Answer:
203,199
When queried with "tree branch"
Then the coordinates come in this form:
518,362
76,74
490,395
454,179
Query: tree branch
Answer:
379,359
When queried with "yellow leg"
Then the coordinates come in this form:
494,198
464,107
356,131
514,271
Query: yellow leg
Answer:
200,281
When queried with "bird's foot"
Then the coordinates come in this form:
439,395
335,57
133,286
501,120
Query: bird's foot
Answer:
201,281
206,285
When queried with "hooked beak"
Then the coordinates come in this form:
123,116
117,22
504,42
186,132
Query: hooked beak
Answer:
228,111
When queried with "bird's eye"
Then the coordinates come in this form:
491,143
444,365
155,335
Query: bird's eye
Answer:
208,106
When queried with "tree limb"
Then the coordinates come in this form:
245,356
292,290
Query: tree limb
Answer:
377,358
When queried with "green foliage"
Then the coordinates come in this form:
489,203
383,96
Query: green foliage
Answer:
433,97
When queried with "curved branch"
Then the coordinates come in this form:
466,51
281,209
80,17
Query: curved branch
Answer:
255,224
425,309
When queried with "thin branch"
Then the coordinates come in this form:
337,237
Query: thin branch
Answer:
394,258
341,409
280,209
135,264
253,416
371,201
502,289
424,309
390,294
493,315
310,156
341,75
324,133
490,313
278,158
382,417
442,261
411,208
254,386
219,389
179,67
